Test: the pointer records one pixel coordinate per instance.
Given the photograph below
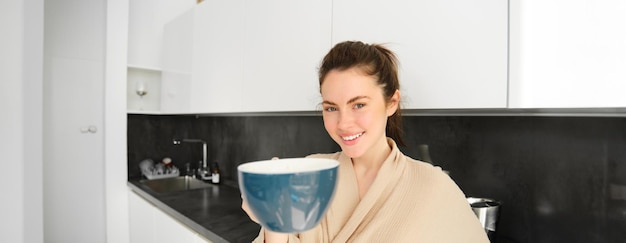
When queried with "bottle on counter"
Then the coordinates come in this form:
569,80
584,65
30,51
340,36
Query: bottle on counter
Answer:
188,171
215,174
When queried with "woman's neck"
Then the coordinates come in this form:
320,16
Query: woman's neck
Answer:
374,158
367,166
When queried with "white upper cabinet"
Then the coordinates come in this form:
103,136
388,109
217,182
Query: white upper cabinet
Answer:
176,75
144,35
217,57
568,54
145,30
202,64
145,57
284,44
452,53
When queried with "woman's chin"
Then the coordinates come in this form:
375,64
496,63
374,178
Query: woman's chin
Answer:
351,148
352,152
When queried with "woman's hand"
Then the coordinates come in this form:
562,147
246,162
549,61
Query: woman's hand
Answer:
246,208
268,235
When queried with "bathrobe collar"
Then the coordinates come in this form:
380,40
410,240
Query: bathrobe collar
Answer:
366,209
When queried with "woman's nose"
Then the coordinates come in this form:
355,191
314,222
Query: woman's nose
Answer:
346,119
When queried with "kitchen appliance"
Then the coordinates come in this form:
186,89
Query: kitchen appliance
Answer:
488,211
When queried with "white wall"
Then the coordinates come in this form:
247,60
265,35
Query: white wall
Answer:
21,25
115,164
21,125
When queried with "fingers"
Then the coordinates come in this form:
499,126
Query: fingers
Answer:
246,208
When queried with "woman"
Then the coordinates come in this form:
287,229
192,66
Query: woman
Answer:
382,195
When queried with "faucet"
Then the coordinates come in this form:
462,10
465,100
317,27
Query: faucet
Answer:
204,173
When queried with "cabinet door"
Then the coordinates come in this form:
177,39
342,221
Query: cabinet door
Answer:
145,29
149,224
202,64
177,63
169,230
74,143
285,41
452,53
143,34
217,57
141,217
568,54
200,239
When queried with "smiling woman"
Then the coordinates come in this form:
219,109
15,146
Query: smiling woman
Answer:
381,195
355,113
373,62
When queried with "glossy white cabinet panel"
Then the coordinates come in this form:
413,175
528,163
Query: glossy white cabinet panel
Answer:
71,31
568,54
284,44
145,30
202,64
141,217
169,230
73,182
148,224
452,53
217,57
177,63
144,34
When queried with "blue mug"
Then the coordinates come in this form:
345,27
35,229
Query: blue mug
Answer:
288,195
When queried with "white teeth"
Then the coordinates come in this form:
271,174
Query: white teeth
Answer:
353,137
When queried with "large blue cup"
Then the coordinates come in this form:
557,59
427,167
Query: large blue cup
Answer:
288,195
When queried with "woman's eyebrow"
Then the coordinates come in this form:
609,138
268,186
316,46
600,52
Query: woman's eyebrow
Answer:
349,101
357,98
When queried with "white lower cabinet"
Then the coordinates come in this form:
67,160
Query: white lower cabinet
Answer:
141,217
169,230
149,224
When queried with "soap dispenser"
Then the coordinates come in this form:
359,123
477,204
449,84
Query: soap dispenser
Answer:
215,174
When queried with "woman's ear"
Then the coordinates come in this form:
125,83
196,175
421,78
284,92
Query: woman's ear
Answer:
394,103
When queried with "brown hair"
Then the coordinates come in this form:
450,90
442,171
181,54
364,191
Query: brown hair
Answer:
374,60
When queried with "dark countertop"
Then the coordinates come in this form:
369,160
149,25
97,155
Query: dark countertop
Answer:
214,212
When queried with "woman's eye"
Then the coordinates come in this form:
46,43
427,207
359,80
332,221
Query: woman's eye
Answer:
330,109
359,106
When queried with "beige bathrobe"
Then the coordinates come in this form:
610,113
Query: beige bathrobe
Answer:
409,201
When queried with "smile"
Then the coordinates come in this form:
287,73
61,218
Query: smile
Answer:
353,137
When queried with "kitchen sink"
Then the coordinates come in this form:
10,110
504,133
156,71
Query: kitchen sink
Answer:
174,184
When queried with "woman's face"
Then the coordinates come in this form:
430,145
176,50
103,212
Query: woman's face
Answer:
355,112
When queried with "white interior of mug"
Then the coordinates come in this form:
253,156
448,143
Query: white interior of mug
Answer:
287,166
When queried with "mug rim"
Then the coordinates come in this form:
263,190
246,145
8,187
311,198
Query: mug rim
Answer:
268,166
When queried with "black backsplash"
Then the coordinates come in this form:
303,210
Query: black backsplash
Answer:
560,179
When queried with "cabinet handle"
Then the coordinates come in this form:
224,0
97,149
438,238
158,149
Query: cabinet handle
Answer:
89,129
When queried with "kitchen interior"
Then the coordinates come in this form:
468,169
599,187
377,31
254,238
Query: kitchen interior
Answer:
519,101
